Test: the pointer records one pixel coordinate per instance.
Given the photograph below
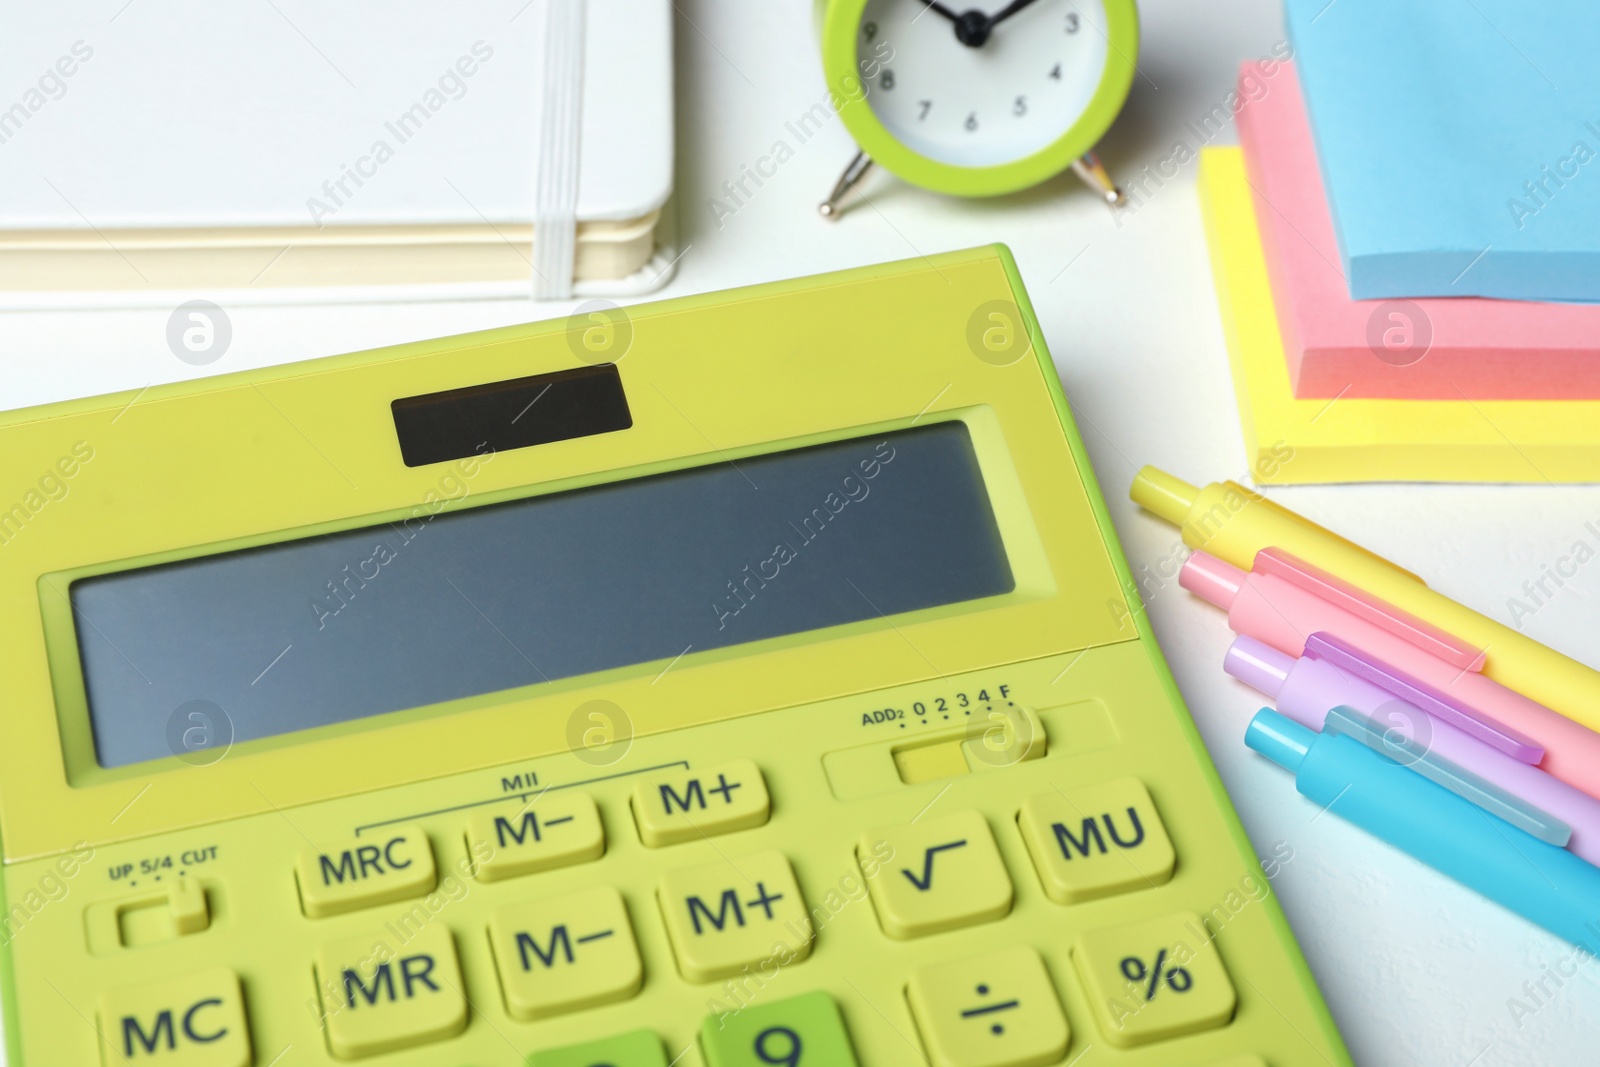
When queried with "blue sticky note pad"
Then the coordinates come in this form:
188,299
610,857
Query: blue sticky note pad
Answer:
1459,143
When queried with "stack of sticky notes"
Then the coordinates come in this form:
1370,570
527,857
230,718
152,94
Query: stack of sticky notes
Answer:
1410,283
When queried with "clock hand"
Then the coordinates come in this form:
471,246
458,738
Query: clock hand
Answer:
973,27
1006,12
940,9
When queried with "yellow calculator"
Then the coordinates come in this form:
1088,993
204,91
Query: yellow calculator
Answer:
746,679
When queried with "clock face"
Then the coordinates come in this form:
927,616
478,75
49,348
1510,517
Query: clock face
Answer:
954,86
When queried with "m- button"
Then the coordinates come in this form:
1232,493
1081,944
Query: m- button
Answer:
689,805
363,872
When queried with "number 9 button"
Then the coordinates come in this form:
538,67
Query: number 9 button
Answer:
798,1032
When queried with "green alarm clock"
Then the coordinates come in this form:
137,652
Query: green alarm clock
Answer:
977,103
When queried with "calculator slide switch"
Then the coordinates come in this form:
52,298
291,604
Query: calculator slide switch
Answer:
998,1010
689,805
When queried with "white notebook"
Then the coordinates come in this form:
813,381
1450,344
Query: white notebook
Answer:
289,150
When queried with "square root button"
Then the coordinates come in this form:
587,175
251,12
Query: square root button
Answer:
997,1010
1154,980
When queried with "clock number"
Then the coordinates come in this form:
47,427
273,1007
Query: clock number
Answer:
887,79
1055,72
869,30
972,122
926,104
1072,22
1020,107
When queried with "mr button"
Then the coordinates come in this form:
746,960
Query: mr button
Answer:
1097,840
378,997
196,1021
363,872
693,804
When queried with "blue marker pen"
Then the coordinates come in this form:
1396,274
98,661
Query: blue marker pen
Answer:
1544,884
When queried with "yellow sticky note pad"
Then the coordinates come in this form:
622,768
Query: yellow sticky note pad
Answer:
1363,440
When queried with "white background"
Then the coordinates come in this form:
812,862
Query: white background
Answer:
1417,970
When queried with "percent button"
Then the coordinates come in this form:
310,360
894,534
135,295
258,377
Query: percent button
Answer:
1154,980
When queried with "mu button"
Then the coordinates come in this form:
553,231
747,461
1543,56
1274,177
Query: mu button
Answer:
389,865
732,915
378,995
195,1021
689,805
1096,840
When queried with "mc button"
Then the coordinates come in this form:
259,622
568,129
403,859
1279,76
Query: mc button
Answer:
195,1021
391,865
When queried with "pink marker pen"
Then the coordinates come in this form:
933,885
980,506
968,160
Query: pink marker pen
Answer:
1283,615
1305,689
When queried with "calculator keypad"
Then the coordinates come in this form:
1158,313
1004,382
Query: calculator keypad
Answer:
571,952
1096,840
731,914
946,873
997,1010
363,872
194,1021
689,805
377,998
736,921
554,830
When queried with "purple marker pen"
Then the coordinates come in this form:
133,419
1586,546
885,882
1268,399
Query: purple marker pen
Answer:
1305,690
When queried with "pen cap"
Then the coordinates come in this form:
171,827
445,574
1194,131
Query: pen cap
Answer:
1210,579
1258,665
1279,738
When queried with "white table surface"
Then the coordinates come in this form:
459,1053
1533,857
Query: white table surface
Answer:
1417,970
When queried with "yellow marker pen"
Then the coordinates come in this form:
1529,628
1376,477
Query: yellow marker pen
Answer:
1233,523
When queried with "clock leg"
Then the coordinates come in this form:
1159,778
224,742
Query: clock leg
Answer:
831,207
1093,172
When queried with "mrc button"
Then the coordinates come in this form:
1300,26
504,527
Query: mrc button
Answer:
362,872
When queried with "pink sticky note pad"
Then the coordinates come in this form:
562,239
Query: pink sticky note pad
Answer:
1426,349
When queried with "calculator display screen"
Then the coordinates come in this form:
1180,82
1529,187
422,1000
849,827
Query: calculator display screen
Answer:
473,600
